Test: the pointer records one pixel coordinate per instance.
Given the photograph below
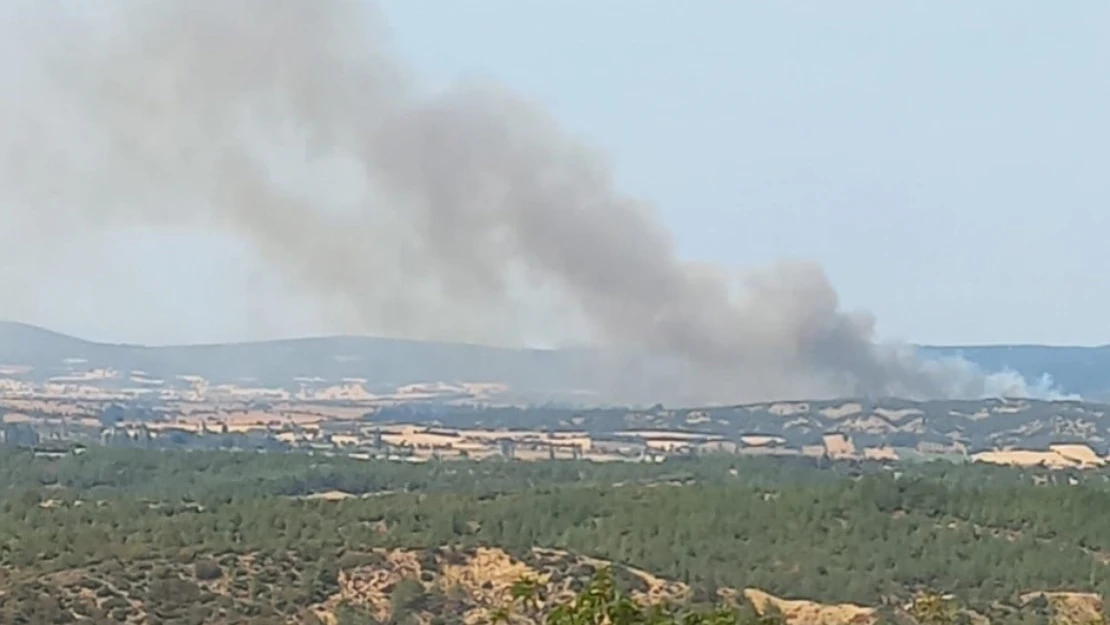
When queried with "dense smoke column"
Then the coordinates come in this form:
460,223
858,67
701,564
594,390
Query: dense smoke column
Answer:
184,114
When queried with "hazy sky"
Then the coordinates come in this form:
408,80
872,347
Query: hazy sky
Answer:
945,161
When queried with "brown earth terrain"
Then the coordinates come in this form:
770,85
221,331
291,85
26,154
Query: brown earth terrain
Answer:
424,586
78,401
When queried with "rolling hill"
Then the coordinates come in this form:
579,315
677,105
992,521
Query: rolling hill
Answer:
392,362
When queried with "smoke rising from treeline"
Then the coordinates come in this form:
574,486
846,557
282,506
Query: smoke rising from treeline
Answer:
468,206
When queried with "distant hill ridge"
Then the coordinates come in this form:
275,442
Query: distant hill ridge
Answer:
1083,370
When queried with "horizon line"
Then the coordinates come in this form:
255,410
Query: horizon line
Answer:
311,337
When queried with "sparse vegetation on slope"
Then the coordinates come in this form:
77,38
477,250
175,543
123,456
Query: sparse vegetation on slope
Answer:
960,427
446,586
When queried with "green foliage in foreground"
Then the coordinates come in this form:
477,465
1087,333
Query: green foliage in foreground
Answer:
603,602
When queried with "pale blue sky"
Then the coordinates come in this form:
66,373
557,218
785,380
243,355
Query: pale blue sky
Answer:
946,162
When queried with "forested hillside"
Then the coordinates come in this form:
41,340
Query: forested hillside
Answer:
863,533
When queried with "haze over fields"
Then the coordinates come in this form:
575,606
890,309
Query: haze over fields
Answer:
477,217
574,375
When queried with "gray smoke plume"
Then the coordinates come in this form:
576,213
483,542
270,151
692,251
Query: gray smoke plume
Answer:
468,206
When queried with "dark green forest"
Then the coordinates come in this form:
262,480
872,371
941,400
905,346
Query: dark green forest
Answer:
835,532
